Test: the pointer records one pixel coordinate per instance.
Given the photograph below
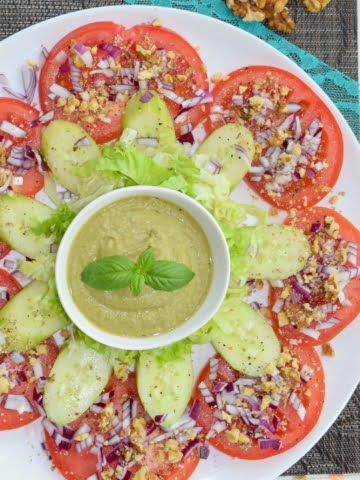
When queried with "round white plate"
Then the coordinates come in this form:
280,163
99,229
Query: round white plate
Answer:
222,48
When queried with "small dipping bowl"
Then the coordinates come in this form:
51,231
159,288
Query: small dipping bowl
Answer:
212,302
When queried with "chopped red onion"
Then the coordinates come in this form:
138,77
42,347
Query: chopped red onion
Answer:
112,50
75,76
314,126
60,91
182,116
12,129
345,302
46,117
306,373
84,428
186,128
161,437
219,427
195,410
84,54
214,365
237,100
190,447
286,124
205,392
65,67
148,141
106,71
310,332
295,401
17,357
305,292
85,96
199,132
19,403
38,370
278,306
126,414
204,452
267,443
28,74
146,97
92,477
58,338
10,265
219,386
292,108
172,96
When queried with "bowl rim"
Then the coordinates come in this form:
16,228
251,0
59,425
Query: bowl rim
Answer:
212,302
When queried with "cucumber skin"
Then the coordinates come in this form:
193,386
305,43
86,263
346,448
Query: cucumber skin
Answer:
21,322
281,251
17,214
221,145
249,344
165,389
78,377
57,147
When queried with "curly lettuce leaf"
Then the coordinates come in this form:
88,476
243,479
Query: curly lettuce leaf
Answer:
56,225
41,268
116,355
175,351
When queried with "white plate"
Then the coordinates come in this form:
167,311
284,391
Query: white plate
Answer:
223,48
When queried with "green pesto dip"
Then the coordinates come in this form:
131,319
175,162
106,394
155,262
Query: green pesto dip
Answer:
127,227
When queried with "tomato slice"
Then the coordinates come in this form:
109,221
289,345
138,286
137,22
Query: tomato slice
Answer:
185,69
10,282
23,374
79,466
346,314
272,91
25,117
291,429
92,35
4,250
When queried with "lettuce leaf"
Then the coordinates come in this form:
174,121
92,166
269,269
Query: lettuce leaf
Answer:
175,351
41,268
116,355
57,224
128,161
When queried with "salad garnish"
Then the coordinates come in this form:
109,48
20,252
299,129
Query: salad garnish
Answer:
116,272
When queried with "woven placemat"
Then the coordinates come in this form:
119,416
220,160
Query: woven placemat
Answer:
331,36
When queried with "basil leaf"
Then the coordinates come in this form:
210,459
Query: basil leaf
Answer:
108,273
137,284
145,261
168,276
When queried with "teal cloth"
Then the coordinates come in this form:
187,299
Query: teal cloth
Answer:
343,90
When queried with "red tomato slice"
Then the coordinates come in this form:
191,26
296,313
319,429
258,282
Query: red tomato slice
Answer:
79,466
304,219
306,191
8,281
91,35
4,250
21,115
296,429
186,62
10,419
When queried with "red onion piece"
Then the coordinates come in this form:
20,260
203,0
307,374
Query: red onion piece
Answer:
190,447
195,410
19,403
204,452
60,91
46,117
160,418
82,142
84,54
295,401
112,50
306,373
17,357
267,443
12,129
310,332
148,141
146,97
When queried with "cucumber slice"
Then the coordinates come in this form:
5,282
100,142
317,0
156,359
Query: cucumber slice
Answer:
17,215
150,119
164,390
58,148
23,325
245,339
78,377
275,251
221,145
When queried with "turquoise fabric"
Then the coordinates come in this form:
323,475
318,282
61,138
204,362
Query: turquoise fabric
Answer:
343,90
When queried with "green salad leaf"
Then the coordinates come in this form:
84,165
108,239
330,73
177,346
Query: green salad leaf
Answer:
41,268
57,224
175,351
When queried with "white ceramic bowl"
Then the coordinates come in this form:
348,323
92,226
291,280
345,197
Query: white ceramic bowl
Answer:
219,284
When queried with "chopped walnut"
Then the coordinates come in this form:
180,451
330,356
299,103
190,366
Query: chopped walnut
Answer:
121,372
106,417
315,6
328,350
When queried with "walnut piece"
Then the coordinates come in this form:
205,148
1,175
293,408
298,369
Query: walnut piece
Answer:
274,12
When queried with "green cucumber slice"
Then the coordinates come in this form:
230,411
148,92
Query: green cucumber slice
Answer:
275,251
58,146
245,339
23,324
17,215
77,378
164,389
221,145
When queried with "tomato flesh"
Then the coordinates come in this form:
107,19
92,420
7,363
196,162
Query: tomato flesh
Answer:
79,466
306,186
10,283
22,115
346,314
294,429
11,419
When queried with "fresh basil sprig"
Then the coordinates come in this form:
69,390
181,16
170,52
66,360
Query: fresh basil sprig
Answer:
116,272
